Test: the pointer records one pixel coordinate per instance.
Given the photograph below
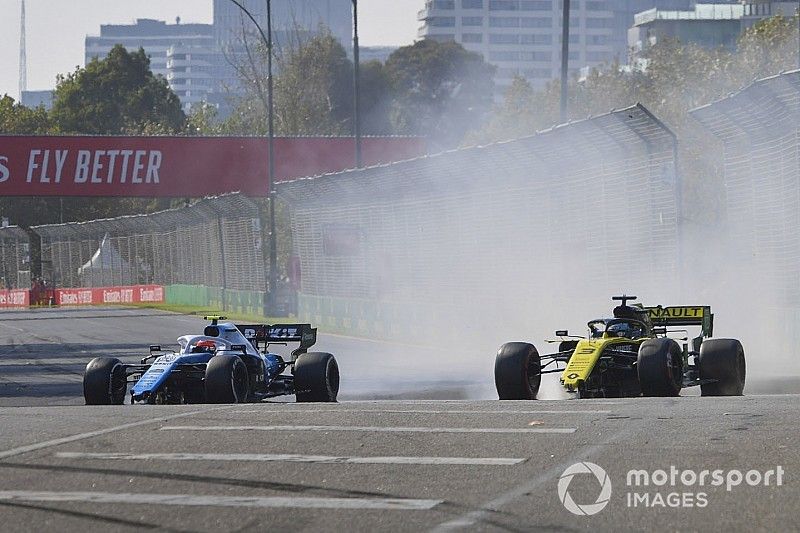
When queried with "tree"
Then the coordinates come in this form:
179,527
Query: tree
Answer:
116,95
17,119
440,90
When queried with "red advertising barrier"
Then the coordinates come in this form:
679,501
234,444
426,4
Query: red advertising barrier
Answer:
14,298
177,166
135,294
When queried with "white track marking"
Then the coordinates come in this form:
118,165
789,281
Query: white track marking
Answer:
287,502
88,435
285,458
372,429
427,411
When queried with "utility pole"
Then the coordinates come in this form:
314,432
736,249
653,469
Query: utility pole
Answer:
564,58
23,55
272,278
357,87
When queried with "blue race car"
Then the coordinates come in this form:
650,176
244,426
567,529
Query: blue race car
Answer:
228,363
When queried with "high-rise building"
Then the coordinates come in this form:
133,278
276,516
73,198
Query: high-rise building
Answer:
154,36
707,25
523,37
755,10
290,18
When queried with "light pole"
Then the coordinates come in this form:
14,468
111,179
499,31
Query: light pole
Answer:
564,58
357,87
272,281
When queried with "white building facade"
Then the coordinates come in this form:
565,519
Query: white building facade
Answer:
523,37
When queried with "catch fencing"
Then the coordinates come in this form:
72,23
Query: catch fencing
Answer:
759,130
15,272
590,207
758,127
215,242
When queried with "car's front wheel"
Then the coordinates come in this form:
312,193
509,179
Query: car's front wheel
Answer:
517,371
227,380
660,367
105,382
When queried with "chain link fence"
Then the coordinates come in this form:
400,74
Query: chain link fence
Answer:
591,207
215,242
15,258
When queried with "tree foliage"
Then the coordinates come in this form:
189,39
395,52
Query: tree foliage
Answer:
440,90
116,95
17,119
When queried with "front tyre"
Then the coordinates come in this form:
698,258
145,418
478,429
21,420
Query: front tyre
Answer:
316,377
723,361
105,382
517,371
227,380
660,367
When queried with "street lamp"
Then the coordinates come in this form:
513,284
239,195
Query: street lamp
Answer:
273,237
564,58
357,87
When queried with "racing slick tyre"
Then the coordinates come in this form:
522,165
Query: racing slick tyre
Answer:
105,382
722,360
227,380
660,367
316,377
517,371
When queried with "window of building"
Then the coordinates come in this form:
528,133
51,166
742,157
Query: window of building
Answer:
503,22
505,55
472,21
537,73
503,38
443,4
535,56
472,4
597,6
442,22
503,5
536,39
442,37
536,5
536,22
472,38
597,56
597,39
599,23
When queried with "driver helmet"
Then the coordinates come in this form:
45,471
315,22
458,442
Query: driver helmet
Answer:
205,347
622,329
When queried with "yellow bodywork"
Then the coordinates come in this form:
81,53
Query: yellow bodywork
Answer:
585,357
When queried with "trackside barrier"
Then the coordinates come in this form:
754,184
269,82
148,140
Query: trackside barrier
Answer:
135,294
15,298
512,230
228,300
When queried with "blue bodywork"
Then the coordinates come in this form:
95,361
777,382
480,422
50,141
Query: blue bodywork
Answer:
264,367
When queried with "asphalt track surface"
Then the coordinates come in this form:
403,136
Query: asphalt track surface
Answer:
364,464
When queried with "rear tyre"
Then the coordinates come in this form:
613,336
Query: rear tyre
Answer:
517,371
105,382
660,367
723,360
316,377
227,380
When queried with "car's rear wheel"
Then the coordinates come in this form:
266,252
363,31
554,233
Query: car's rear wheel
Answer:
316,377
722,360
660,367
517,371
105,382
227,380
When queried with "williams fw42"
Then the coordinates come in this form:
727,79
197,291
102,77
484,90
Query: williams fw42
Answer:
228,363
629,355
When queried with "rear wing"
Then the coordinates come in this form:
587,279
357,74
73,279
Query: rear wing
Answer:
683,315
263,334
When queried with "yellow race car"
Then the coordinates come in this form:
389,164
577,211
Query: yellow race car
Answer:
629,355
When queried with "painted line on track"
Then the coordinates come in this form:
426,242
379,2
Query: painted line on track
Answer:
372,429
90,434
291,458
431,411
190,500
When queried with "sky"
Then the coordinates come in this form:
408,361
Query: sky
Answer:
56,30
